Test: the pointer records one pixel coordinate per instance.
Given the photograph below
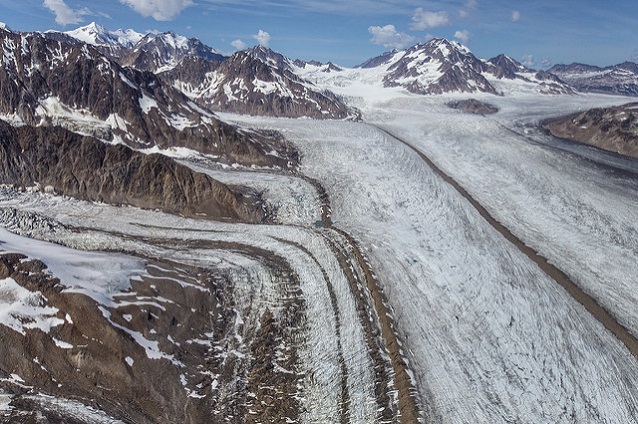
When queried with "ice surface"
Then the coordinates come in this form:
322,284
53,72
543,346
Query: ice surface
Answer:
490,337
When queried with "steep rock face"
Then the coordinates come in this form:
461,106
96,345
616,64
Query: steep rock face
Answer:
49,82
618,79
613,128
88,169
506,67
257,81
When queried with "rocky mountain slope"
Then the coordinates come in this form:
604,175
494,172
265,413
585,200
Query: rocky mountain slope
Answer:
256,81
161,52
49,82
145,52
438,66
442,66
613,128
58,161
617,79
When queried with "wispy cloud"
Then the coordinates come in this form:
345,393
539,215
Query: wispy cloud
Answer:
528,60
160,10
463,36
423,19
64,15
516,16
467,7
263,38
238,44
388,37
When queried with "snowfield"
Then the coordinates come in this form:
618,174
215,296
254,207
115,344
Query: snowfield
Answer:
488,336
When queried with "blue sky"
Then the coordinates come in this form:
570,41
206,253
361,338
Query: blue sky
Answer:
538,33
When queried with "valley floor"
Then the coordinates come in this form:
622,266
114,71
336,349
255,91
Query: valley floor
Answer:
388,298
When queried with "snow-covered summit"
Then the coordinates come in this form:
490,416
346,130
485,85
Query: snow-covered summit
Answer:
97,35
436,67
4,26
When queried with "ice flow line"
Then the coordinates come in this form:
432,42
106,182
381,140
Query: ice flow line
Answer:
587,301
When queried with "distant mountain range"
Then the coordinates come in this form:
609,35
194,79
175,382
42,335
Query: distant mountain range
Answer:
261,81
618,79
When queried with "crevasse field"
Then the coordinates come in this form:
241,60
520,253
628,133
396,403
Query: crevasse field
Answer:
487,335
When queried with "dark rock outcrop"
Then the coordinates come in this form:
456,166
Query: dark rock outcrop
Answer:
85,168
474,106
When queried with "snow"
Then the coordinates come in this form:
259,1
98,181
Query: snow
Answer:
147,103
97,35
62,344
129,361
127,81
21,309
97,275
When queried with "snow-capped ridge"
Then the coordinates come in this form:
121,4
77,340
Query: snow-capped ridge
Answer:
443,66
96,35
616,79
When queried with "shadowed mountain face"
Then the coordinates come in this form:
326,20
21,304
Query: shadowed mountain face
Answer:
85,168
613,128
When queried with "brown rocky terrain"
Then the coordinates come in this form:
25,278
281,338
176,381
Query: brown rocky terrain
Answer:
613,128
196,371
78,166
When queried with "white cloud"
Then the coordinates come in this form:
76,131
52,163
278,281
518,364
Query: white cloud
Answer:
160,10
545,63
469,5
463,35
388,36
528,60
423,19
239,44
64,15
516,16
263,38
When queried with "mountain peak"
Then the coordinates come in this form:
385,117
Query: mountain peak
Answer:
5,27
95,34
